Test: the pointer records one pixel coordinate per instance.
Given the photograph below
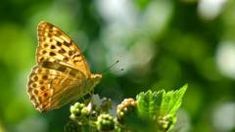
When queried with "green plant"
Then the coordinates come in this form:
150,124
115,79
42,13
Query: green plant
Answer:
150,111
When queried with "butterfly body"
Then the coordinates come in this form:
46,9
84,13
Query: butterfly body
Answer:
62,74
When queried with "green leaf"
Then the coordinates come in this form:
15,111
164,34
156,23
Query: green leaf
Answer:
157,110
148,103
171,101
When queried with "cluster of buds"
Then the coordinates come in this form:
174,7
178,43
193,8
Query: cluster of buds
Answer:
125,109
105,122
94,116
79,113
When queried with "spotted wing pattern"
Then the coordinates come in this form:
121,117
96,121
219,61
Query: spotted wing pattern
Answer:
56,46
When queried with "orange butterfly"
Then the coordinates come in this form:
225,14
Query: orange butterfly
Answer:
62,74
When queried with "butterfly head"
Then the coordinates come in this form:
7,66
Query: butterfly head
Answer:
95,79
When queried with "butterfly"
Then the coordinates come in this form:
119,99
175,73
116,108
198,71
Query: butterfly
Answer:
61,74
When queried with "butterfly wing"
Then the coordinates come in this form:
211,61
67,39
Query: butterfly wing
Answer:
55,46
50,89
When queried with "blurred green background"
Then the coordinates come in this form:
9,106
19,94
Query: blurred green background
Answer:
160,44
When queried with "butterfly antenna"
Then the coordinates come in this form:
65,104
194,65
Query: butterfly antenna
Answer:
111,66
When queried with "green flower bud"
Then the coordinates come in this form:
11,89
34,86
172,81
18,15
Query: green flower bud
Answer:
165,122
85,111
75,110
79,113
105,122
